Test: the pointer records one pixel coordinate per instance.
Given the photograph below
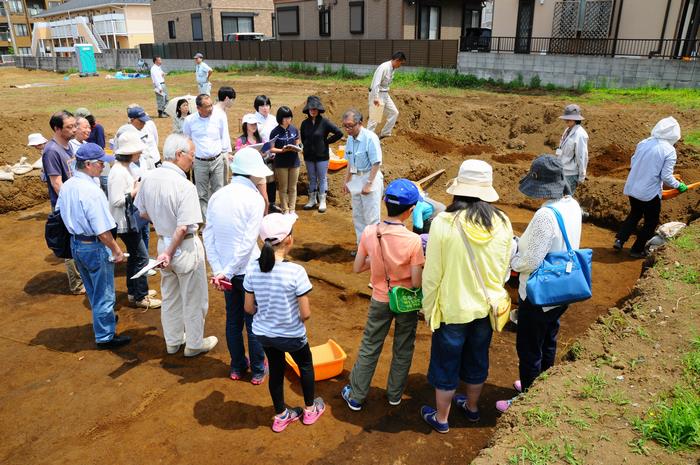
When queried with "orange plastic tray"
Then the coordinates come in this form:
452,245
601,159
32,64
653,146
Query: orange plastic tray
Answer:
336,164
328,360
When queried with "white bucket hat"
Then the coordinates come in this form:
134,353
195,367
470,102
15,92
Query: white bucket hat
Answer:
36,139
475,179
249,162
250,118
129,143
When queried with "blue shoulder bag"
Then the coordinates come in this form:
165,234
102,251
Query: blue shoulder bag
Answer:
563,277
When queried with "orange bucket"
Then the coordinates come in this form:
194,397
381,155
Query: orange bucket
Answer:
328,360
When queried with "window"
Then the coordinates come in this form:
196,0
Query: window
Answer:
429,22
54,4
471,20
197,26
25,51
357,17
324,22
21,30
288,21
16,6
171,29
238,22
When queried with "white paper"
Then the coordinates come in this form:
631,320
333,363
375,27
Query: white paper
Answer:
151,265
356,184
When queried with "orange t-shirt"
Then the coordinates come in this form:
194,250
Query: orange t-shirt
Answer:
401,249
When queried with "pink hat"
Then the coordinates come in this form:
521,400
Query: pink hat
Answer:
276,227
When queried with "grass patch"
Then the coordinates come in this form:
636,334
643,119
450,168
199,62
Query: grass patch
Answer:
594,387
615,321
692,138
579,423
688,240
675,424
574,352
680,98
679,272
533,453
539,416
691,361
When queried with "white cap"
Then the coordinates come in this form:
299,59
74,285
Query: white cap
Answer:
129,143
248,161
275,227
250,118
36,139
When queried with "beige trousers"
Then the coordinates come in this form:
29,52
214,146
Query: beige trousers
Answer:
287,187
75,283
183,285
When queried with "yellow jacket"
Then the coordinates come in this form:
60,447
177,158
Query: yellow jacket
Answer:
451,291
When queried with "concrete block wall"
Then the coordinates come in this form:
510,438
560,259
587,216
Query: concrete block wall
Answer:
109,59
573,71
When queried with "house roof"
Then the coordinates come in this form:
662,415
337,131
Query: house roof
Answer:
80,5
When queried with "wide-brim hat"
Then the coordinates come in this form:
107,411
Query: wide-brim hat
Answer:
545,180
129,143
572,112
313,102
36,139
475,179
249,162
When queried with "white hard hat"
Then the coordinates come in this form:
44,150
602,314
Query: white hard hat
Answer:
36,139
249,162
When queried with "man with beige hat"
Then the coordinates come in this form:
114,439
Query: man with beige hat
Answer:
170,201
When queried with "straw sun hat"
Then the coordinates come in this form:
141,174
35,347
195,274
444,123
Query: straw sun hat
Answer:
475,179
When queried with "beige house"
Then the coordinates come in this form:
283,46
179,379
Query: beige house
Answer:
638,27
378,19
194,20
17,19
106,24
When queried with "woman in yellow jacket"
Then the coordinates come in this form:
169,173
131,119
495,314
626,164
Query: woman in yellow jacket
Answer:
454,303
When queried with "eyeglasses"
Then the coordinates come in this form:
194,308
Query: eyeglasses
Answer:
350,126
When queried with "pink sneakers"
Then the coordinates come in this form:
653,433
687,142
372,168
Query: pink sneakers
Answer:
503,405
285,419
314,413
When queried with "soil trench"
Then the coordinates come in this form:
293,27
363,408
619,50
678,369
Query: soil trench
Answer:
64,402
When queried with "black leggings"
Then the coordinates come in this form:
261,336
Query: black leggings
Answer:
272,192
302,357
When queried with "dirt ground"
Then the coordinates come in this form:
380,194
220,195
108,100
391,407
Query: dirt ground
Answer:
64,402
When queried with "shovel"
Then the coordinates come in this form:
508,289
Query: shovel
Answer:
671,193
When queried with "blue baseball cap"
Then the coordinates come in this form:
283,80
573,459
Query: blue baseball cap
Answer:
92,152
402,192
138,112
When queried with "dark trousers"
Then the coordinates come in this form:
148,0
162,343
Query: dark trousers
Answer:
138,258
650,211
536,340
275,357
272,192
236,319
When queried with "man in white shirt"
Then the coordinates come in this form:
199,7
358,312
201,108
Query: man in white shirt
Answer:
209,133
230,238
379,94
169,200
140,121
158,78
202,73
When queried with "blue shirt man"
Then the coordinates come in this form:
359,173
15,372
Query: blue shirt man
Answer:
363,179
85,212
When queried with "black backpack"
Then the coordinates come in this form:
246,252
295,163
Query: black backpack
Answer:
57,236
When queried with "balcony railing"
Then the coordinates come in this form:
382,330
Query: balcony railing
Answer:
5,37
648,48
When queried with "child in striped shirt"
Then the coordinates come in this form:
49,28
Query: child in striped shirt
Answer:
276,294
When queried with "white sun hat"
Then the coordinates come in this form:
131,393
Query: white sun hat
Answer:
129,143
36,139
475,179
249,162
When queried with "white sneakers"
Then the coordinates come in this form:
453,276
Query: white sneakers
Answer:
208,344
173,349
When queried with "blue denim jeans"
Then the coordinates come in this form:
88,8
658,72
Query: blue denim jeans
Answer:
138,258
146,235
236,318
318,180
92,261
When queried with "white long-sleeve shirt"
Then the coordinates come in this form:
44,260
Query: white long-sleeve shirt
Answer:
209,135
234,215
543,236
158,78
574,152
381,81
265,125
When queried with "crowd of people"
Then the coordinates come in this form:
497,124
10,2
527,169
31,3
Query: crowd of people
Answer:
460,255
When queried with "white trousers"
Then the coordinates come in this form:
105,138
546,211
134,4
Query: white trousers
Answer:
366,208
204,88
391,113
183,286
